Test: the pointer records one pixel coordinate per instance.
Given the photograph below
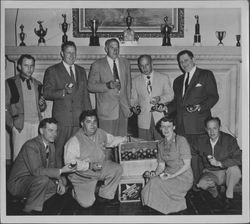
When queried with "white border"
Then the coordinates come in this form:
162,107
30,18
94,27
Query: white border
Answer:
138,219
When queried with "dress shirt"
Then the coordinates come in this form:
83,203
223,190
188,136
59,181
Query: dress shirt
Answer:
111,64
191,73
68,69
213,143
151,75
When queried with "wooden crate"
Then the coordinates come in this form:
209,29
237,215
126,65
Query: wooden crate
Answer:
129,189
137,157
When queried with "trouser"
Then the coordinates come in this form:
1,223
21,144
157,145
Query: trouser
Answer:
118,127
29,131
37,189
64,134
210,180
84,186
150,134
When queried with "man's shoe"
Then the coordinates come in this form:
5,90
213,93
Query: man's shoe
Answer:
228,203
105,201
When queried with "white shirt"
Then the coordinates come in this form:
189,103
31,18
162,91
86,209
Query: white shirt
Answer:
72,150
150,79
68,69
111,64
213,143
191,74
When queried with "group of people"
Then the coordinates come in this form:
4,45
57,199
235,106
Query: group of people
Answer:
71,146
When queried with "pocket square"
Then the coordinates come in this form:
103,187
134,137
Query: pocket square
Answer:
198,85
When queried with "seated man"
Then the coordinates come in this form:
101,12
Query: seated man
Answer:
87,149
221,158
33,174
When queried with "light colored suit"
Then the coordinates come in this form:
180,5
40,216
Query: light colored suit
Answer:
111,102
160,87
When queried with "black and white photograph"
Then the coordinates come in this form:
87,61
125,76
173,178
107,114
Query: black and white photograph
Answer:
124,112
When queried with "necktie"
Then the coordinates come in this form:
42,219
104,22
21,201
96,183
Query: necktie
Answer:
47,155
71,72
149,86
186,82
115,72
28,83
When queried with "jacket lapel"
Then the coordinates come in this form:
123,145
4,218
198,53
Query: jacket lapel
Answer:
192,82
19,87
64,73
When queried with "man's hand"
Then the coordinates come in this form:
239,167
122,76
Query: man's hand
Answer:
214,162
69,88
136,110
113,85
68,168
155,100
95,166
61,189
41,101
193,108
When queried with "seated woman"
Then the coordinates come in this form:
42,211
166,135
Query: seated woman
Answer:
166,191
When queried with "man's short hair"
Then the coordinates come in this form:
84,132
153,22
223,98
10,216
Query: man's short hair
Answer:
107,42
46,121
67,44
87,113
165,119
189,53
144,56
21,58
212,119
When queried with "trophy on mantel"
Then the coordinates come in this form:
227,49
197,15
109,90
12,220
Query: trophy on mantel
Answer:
238,40
93,25
64,27
197,36
129,34
22,36
41,33
166,30
220,35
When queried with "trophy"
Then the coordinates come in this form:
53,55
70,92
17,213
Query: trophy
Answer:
94,39
22,35
238,40
166,30
220,35
129,34
64,27
41,33
197,36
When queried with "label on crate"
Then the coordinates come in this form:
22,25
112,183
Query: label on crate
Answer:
130,192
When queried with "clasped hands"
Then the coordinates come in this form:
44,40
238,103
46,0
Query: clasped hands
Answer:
113,84
193,108
213,161
165,176
68,88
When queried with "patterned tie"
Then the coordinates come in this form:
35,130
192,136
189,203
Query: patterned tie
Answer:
149,86
28,83
186,83
71,73
47,155
115,72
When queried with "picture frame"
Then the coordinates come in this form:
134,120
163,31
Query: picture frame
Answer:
146,21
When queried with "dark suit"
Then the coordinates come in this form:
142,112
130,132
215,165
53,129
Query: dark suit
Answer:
110,103
201,90
31,176
66,109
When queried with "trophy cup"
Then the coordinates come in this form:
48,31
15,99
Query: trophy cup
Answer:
22,35
129,34
64,27
238,40
41,33
197,36
94,39
220,35
166,30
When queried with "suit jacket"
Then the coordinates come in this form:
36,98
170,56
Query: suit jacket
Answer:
160,87
110,101
202,90
14,104
31,161
66,109
226,150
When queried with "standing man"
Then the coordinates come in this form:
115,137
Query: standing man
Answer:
24,103
33,174
148,89
66,85
195,93
87,149
221,157
110,79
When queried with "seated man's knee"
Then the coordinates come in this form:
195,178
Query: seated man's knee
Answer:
234,170
86,204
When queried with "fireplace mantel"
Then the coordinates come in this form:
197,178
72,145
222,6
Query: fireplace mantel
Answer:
225,62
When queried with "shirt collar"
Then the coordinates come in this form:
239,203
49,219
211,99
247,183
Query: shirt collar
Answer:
110,60
191,73
150,75
68,66
24,78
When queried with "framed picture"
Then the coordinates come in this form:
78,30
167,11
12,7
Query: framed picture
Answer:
146,22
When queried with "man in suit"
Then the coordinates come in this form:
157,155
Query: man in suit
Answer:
24,103
66,85
148,89
33,174
221,157
110,79
195,93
